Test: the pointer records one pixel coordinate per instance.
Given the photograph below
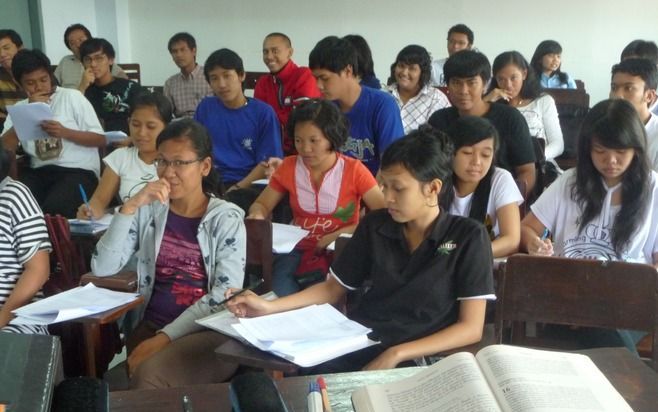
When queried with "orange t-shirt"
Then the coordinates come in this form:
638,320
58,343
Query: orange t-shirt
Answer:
327,208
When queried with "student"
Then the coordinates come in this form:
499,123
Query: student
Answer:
374,117
430,272
635,80
128,169
514,83
643,49
244,131
605,207
70,72
24,250
409,85
191,248
467,72
111,96
365,67
480,190
325,188
460,37
10,90
186,88
546,62
287,85
67,155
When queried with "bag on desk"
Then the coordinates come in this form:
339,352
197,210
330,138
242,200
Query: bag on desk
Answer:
255,392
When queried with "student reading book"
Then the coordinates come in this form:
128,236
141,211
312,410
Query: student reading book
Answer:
498,378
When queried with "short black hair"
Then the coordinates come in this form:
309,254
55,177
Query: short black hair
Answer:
27,61
72,28
642,49
326,116
639,67
182,36
334,54
467,63
363,55
156,100
12,35
283,36
414,54
93,45
462,29
224,58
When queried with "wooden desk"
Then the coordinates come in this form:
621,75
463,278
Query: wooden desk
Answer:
637,383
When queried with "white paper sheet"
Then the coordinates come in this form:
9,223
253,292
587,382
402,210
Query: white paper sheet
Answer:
27,120
91,226
286,237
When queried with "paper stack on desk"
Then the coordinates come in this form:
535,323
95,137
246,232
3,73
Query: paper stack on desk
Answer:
286,237
81,226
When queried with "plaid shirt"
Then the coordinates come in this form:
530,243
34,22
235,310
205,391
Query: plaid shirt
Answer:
185,93
419,108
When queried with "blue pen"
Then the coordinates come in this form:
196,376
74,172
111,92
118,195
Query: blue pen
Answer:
545,234
86,201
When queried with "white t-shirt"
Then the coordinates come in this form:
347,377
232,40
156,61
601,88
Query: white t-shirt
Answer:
134,173
544,123
652,141
73,111
504,191
556,210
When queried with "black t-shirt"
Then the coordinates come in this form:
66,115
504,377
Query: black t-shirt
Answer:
414,294
113,101
515,145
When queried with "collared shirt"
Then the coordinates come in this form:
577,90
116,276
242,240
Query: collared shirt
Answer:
417,110
10,93
186,91
415,294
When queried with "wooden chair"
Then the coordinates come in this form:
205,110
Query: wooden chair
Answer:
572,106
133,71
575,292
251,78
260,258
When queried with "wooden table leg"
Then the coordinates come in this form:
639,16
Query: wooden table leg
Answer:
92,338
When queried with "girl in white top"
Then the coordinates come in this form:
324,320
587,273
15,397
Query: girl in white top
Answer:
480,190
130,168
515,82
607,208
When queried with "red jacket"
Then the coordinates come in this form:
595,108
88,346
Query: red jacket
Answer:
298,85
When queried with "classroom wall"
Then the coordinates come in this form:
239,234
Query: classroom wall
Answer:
592,33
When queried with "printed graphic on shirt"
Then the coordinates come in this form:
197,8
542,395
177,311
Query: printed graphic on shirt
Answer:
113,103
49,148
345,213
593,242
248,143
357,147
180,265
138,186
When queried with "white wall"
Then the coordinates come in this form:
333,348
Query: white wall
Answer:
592,33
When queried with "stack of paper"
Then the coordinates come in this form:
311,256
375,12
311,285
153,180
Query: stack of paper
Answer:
307,336
286,237
75,303
90,226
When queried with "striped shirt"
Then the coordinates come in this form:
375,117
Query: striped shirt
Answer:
23,233
185,92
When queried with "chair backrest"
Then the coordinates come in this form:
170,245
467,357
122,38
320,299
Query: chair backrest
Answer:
133,71
260,258
67,266
251,78
579,292
572,106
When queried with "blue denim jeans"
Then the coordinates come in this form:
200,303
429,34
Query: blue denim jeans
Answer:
283,276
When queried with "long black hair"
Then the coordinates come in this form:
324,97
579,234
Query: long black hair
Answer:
615,124
544,48
468,131
531,88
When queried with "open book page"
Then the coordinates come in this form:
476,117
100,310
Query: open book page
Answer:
536,381
455,384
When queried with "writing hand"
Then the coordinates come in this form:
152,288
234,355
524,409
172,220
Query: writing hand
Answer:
247,304
539,247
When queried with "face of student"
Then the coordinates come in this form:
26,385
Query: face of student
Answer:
74,40
331,85
471,163
611,163
551,62
633,89
510,79
457,42
184,180
406,198
313,146
37,82
100,65
466,92
7,52
226,84
407,77
145,126
276,53
183,56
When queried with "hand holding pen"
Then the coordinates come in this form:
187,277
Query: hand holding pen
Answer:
245,303
542,246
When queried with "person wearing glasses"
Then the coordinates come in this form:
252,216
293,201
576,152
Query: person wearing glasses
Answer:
111,96
190,248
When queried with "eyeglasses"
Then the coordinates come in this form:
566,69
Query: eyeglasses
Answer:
162,164
99,58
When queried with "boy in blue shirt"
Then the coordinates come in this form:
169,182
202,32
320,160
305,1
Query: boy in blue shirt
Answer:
244,131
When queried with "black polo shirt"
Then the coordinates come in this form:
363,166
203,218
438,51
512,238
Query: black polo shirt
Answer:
414,294
515,145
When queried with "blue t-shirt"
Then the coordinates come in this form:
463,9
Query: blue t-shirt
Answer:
241,138
375,123
554,82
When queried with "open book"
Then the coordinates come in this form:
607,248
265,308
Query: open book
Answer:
498,378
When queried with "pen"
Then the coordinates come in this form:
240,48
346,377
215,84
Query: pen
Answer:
314,399
187,404
86,201
325,395
545,234
241,291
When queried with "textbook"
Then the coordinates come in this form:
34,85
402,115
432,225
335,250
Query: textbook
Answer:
499,378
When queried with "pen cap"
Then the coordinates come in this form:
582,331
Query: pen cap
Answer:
255,392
